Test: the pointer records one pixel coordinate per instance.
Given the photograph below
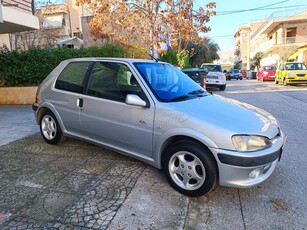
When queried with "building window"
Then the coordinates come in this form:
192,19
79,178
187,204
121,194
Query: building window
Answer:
53,21
291,35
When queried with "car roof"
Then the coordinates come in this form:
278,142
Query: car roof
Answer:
210,64
129,60
193,69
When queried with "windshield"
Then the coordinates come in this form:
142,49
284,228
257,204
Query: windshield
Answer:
295,66
169,83
213,68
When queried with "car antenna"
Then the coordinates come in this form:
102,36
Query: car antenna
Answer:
150,55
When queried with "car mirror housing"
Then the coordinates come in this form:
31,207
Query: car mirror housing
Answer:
132,99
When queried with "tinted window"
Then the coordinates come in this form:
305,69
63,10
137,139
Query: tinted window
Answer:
72,77
197,76
213,68
113,81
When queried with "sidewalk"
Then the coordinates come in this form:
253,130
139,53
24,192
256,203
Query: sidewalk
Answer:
16,122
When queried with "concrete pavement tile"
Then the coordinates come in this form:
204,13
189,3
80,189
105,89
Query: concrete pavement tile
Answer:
152,204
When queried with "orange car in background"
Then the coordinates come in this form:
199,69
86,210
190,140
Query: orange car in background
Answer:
266,73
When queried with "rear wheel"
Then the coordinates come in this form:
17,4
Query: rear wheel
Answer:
190,168
50,128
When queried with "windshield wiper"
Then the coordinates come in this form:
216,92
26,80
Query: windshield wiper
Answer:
195,92
198,93
182,97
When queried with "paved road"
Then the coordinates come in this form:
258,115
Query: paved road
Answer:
81,186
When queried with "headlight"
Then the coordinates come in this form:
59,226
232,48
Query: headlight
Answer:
245,143
291,75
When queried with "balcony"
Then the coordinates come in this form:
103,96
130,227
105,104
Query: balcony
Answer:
266,46
277,18
17,16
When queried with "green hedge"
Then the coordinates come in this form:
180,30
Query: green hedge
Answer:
29,68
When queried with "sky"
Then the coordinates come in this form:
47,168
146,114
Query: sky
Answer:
228,19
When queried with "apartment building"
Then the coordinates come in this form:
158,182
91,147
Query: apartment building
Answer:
58,23
16,16
281,34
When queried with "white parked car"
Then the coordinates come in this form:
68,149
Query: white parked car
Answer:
215,77
154,112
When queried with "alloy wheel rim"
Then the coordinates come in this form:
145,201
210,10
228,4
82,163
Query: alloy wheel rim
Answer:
49,128
187,170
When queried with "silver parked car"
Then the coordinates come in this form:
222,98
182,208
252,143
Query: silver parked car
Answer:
154,112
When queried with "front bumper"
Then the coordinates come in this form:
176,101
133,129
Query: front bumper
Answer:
247,169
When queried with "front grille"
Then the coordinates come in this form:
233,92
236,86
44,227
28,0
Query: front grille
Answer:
212,77
300,75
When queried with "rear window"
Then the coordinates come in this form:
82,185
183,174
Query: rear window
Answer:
72,77
269,68
213,68
196,76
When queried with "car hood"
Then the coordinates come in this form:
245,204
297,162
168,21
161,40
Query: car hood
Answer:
230,116
218,74
297,71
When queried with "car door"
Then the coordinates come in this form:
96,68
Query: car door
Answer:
107,119
69,88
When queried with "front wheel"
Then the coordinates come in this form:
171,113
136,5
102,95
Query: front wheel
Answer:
223,87
190,168
50,128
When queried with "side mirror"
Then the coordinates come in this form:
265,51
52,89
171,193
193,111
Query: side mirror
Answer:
132,99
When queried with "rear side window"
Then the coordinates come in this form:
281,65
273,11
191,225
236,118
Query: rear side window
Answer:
72,77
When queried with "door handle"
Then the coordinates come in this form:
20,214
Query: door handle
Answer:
80,102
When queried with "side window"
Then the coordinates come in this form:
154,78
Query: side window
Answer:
72,77
112,81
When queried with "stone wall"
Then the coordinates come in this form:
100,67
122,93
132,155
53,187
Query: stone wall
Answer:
17,95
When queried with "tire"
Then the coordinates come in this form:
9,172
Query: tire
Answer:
284,82
50,128
223,87
276,81
190,168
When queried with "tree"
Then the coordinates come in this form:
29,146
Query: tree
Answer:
285,52
255,61
202,52
147,22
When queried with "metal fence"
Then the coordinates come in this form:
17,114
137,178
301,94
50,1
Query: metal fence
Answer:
23,5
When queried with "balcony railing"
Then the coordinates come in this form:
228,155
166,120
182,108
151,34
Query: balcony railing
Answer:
22,5
296,13
262,46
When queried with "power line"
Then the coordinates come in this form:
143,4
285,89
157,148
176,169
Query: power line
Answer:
266,7
251,9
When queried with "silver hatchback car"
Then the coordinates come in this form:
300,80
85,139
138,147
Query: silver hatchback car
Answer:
155,113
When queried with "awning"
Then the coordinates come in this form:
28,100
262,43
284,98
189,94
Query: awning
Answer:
70,41
293,56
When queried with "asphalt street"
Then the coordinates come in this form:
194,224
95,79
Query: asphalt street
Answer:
76,185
